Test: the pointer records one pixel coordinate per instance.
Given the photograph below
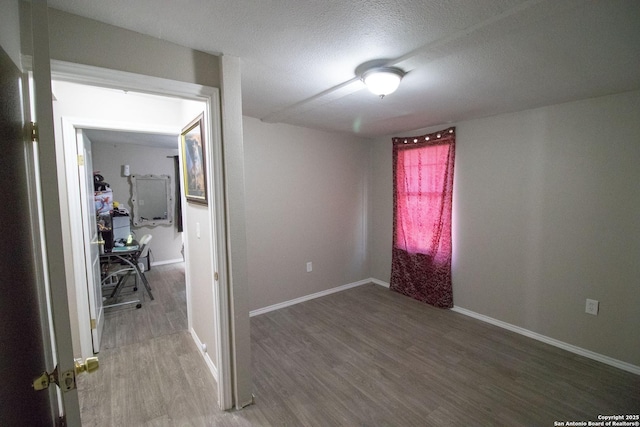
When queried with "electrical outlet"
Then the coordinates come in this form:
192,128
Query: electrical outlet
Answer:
309,267
592,307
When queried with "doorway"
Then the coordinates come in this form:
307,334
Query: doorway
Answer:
141,154
88,112
104,113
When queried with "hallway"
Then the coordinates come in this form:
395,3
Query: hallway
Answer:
150,369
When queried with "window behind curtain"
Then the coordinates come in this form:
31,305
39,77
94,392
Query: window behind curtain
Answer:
423,187
420,182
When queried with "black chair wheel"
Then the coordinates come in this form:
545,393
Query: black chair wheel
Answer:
135,289
138,305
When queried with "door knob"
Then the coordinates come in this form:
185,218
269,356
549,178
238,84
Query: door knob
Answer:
66,380
89,365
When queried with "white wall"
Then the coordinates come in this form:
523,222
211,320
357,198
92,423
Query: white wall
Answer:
546,208
306,196
85,41
200,275
381,209
108,158
10,29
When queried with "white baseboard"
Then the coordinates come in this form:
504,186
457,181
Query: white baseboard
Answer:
379,282
212,367
552,341
168,261
309,297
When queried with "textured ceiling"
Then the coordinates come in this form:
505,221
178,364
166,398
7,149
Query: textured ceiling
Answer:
464,59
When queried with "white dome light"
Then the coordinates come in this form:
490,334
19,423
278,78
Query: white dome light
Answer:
383,80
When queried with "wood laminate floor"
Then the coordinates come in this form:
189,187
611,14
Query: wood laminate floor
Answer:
362,357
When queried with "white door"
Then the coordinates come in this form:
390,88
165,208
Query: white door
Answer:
46,315
91,238
25,350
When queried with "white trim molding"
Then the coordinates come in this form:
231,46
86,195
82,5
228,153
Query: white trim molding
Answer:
212,366
118,79
309,297
379,282
552,341
167,261
536,336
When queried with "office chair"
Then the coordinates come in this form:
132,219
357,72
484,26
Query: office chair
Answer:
144,252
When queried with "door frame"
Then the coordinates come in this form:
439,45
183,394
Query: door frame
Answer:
76,236
95,76
91,237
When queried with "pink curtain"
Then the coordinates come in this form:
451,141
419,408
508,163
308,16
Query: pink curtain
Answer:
422,193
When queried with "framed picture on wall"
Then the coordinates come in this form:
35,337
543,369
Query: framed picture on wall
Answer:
193,164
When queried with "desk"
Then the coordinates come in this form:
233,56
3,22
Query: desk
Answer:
127,257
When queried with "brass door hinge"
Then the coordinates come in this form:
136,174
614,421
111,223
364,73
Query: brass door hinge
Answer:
93,324
80,160
215,276
34,134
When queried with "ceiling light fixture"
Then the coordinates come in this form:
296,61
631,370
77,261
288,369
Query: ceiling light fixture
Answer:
382,80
